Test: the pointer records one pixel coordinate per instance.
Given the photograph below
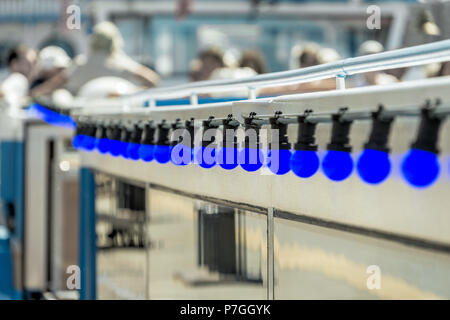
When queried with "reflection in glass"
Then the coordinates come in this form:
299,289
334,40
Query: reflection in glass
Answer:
121,255
320,263
200,250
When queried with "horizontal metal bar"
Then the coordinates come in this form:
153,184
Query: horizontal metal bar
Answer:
415,242
406,57
321,117
218,201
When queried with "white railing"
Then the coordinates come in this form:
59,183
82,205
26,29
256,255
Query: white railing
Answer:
407,57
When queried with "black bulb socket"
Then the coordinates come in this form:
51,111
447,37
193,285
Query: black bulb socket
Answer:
125,134
176,126
340,134
113,131
428,134
207,125
379,134
101,131
188,140
163,130
187,137
148,134
136,133
79,128
249,124
279,139
306,135
229,136
91,129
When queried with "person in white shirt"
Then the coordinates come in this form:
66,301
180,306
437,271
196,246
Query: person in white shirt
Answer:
21,65
105,59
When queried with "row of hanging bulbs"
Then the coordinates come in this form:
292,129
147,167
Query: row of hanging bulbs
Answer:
147,141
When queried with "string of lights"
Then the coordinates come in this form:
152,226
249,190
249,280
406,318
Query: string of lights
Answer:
124,127
148,141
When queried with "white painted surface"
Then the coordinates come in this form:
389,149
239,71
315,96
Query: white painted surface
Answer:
392,206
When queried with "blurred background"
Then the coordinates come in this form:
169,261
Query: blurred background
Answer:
174,37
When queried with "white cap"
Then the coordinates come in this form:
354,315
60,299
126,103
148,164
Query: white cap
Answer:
106,38
53,57
370,47
327,55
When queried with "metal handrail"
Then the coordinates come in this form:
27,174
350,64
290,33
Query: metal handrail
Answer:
406,57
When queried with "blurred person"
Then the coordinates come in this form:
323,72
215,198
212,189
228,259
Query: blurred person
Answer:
432,69
444,70
374,77
437,69
22,59
202,67
327,55
410,73
51,61
107,59
254,60
51,66
21,62
323,56
311,57
194,69
249,65
303,56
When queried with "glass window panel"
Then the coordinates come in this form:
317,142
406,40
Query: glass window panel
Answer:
121,256
319,263
200,250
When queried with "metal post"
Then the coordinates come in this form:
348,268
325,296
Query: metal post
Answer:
194,99
87,250
147,242
270,255
251,93
340,82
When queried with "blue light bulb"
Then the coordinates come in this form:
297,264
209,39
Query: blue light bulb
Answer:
124,149
337,165
146,152
133,151
227,158
115,147
251,159
162,153
206,157
278,161
77,141
420,168
373,166
102,145
88,143
304,163
181,155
